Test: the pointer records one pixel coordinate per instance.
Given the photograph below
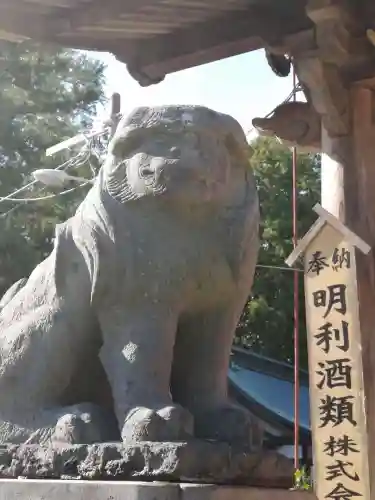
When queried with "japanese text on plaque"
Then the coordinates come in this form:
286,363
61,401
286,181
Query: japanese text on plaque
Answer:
338,422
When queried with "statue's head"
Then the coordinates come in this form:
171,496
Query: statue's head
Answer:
185,154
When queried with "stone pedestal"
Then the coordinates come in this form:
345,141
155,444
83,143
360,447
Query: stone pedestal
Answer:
193,462
110,490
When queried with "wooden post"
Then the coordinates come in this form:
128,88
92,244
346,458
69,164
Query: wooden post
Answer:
348,192
360,215
332,175
338,419
347,112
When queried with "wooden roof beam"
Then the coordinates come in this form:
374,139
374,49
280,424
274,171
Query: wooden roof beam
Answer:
98,11
16,26
226,36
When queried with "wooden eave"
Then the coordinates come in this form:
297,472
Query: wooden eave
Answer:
155,37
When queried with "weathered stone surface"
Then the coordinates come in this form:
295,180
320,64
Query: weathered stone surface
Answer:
137,490
87,490
125,330
196,461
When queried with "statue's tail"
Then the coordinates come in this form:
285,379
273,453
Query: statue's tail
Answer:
11,292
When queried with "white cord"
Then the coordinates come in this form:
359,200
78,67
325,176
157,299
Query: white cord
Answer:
66,164
2,216
280,268
48,196
23,188
72,162
76,161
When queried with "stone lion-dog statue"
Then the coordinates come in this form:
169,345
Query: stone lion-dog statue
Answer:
124,331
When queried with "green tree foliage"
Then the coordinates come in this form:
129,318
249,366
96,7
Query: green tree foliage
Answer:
267,321
46,96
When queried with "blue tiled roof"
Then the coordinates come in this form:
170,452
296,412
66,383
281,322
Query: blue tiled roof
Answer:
271,392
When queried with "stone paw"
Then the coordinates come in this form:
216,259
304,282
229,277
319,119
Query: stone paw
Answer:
168,423
231,424
85,424
179,423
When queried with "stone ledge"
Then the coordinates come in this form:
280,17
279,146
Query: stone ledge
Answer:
111,490
196,462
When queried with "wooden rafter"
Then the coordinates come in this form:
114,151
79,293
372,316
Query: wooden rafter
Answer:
22,23
98,11
228,35
157,37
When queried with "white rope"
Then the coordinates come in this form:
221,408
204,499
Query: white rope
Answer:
48,196
280,268
69,163
80,158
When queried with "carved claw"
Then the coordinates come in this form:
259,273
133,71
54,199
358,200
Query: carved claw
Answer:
171,423
84,424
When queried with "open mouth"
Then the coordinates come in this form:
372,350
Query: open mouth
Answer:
146,172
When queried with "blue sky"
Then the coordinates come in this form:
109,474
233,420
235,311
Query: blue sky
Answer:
242,86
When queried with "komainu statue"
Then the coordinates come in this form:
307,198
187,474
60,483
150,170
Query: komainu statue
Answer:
124,332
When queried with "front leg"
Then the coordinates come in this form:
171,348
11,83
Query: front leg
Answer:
137,356
200,377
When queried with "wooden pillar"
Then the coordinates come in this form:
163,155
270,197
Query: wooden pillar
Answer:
348,192
348,161
332,174
359,194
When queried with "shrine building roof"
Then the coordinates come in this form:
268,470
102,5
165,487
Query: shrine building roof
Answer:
266,387
155,37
